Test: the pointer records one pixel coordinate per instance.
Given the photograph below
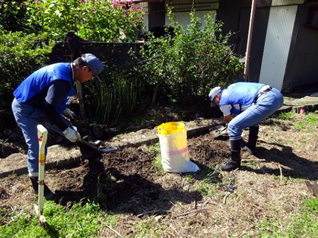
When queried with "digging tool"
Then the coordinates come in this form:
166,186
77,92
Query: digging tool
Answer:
89,148
42,137
219,131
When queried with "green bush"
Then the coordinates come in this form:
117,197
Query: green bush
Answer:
20,55
185,67
94,20
13,16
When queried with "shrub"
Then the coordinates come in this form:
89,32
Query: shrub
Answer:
91,20
20,55
185,67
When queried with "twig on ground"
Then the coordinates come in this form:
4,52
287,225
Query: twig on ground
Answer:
207,201
193,211
280,170
117,233
225,197
172,203
195,206
154,212
253,160
175,230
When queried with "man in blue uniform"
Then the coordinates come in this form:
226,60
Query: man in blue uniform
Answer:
43,97
249,103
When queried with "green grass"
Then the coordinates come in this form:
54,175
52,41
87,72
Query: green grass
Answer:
155,149
300,121
82,220
206,189
148,228
304,224
286,116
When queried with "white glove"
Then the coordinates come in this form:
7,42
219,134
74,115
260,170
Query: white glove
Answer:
69,113
71,134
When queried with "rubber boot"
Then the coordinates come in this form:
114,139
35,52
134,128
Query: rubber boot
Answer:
234,160
250,146
48,194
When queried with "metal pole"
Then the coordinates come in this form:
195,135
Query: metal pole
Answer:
42,137
249,40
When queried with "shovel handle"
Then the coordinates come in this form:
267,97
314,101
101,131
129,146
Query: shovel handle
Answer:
88,144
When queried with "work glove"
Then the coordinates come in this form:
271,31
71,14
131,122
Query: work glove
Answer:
71,134
69,113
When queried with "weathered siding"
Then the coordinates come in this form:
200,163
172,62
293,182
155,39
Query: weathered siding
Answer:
302,67
236,17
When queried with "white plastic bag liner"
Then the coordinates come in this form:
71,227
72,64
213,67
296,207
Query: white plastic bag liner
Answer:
174,149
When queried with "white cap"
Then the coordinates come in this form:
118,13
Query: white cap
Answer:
213,93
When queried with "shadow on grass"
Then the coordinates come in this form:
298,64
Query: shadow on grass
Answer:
292,165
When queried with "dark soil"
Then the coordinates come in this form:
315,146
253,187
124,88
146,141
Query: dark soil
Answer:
127,181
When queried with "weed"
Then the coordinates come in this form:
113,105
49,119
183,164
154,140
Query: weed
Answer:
286,116
205,189
147,229
155,149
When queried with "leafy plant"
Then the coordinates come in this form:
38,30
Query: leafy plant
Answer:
116,97
186,66
94,20
20,55
13,16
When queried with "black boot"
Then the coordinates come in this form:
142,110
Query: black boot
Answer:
234,161
250,146
48,194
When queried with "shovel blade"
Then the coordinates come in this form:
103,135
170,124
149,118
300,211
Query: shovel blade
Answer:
219,131
110,149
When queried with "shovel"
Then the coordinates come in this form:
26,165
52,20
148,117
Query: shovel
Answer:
89,148
219,131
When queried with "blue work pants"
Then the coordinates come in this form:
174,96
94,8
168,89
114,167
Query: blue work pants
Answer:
27,118
265,105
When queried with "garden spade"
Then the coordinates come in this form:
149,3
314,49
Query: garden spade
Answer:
219,131
90,148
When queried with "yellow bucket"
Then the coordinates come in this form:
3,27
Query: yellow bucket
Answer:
170,128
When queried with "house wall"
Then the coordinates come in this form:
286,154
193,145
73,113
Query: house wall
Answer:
236,16
303,52
182,9
302,66
277,45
